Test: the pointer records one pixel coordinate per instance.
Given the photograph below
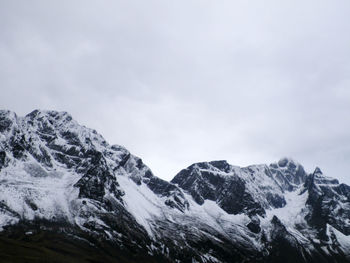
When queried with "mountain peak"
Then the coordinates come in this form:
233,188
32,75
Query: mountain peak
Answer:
7,118
318,171
287,162
52,116
60,176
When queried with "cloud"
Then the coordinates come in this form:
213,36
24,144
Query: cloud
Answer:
184,81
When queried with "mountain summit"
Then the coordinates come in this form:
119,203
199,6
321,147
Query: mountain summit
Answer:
66,195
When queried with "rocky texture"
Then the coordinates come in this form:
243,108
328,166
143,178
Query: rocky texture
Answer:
237,190
62,181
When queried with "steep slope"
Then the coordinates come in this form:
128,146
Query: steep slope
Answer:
56,170
295,217
60,180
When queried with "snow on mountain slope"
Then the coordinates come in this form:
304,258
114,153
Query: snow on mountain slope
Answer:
53,169
291,215
141,202
251,189
343,240
30,191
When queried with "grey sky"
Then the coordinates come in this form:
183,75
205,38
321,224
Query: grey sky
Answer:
178,82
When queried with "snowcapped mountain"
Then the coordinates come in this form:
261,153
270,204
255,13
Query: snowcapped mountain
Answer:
64,188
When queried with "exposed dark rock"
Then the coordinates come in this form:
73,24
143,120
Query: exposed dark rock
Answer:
208,181
5,120
232,217
2,159
288,174
277,201
254,225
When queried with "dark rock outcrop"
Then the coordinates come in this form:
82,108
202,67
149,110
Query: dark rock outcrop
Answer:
62,181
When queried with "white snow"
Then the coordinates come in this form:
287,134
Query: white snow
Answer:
343,240
291,213
26,184
141,202
51,194
146,207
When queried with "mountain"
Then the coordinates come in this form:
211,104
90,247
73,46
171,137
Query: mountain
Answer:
66,195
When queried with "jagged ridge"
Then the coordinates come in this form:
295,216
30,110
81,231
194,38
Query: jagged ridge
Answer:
54,171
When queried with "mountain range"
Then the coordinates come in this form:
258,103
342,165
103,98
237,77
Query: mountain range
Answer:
67,195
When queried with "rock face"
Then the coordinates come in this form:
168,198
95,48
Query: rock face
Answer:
60,179
236,190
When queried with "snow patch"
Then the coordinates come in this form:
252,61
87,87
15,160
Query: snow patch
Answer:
141,202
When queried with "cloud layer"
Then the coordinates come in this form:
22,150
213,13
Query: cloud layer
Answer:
183,81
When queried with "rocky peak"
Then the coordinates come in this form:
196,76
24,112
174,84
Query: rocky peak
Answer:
51,140
321,179
54,117
236,190
328,203
317,172
7,119
52,169
288,173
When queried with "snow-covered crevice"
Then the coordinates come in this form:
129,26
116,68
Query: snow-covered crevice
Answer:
292,216
293,212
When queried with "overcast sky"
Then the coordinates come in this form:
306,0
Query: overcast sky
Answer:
178,82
